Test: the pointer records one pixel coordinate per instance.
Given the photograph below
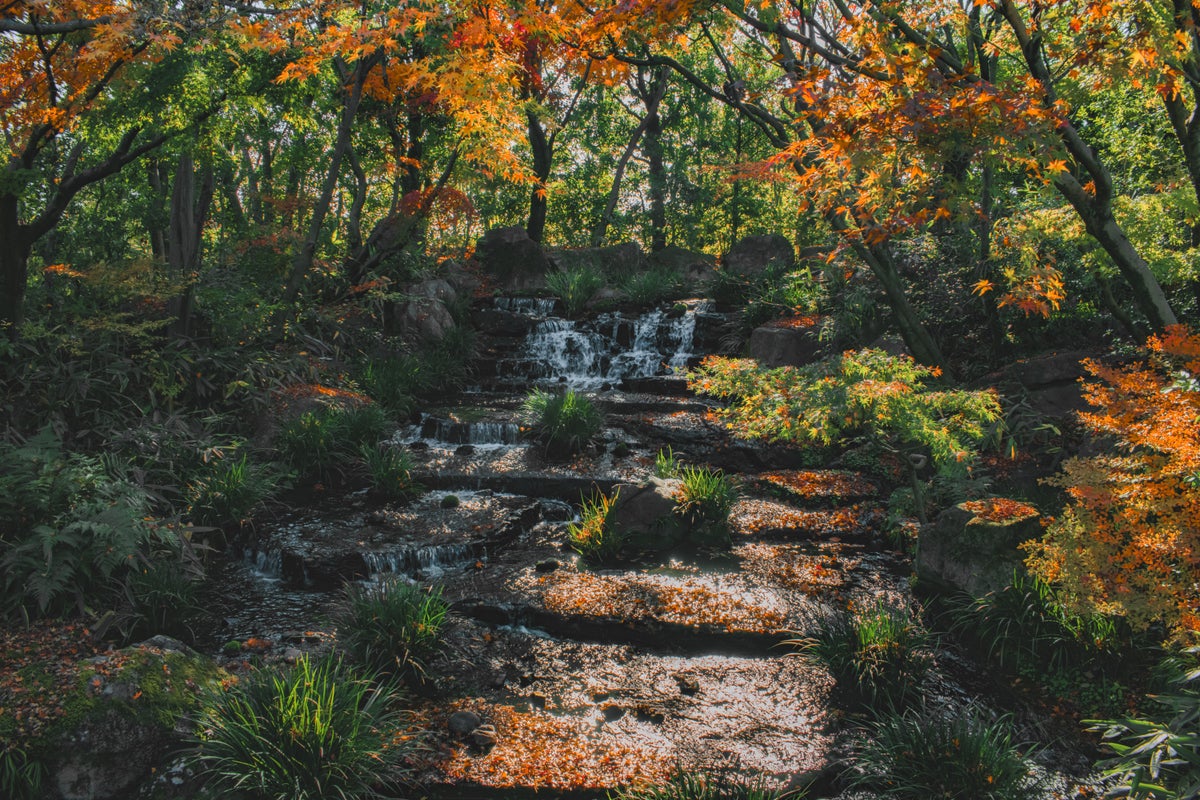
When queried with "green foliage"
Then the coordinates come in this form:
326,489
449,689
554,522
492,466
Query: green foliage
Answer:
865,394
565,423
1158,754
1024,627
69,533
666,465
315,730
392,626
227,489
651,286
706,496
592,537
398,382
575,287
390,471
450,501
879,655
165,594
704,786
917,756
20,776
317,442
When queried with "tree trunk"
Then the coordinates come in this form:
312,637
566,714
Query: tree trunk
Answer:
302,263
543,156
14,265
189,212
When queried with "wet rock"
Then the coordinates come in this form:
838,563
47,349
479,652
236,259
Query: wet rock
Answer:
973,552
517,262
774,346
463,723
751,256
498,322
645,513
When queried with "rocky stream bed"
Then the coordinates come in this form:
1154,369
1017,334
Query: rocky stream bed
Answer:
559,677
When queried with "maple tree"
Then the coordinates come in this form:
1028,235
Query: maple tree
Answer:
1128,543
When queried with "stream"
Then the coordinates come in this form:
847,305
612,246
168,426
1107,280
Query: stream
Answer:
596,678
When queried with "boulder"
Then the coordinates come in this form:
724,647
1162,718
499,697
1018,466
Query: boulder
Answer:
125,720
1050,382
458,275
695,270
645,513
616,260
751,256
425,318
515,261
975,546
786,343
433,289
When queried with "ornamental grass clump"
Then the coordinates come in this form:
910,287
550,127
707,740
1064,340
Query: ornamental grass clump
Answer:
564,423
575,287
706,496
390,471
592,537
917,756
317,729
879,655
705,786
392,626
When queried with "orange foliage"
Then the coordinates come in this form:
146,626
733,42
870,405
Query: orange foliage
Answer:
1129,542
537,750
686,602
999,509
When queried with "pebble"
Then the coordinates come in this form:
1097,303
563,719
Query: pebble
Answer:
463,723
548,565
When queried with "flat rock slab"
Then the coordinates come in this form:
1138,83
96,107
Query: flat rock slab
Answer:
571,715
818,487
759,518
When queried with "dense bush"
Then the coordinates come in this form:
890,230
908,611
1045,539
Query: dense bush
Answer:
564,423
319,443
392,626
315,730
227,489
70,534
917,756
879,655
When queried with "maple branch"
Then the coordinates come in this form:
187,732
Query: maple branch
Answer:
36,28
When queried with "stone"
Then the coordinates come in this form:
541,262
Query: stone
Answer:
435,289
547,565
615,261
975,546
425,318
606,297
494,322
695,270
515,261
464,281
778,345
484,737
645,513
463,723
751,256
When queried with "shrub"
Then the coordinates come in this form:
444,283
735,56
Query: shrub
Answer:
705,499
592,537
651,286
1127,543
315,730
1024,627
917,756
574,287
69,532
227,489
318,442
450,501
392,626
704,786
878,656
1158,755
165,593
390,471
564,423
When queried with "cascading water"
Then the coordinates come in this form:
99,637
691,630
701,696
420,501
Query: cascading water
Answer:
606,349
429,560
